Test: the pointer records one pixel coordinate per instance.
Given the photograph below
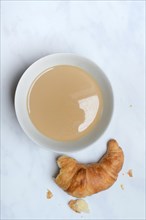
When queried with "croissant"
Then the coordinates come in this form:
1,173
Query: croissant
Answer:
81,180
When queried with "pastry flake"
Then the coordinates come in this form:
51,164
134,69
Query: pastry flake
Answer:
79,205
49,194
122,186
130,173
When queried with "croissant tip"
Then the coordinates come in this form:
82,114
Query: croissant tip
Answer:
58,160
111,141
61,157
112,144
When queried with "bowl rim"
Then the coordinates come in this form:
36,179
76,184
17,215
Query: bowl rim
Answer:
85,59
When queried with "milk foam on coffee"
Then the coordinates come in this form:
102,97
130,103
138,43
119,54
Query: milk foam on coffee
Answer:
64,103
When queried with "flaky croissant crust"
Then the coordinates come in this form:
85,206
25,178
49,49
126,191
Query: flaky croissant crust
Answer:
81,180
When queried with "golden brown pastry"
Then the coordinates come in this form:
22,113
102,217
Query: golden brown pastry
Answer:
81,180
49,194
130,173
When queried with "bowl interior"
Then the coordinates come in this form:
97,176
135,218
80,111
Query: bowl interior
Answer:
21,96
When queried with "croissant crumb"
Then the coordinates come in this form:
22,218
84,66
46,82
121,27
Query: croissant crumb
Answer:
130,173
79,205
81,180
122,186
49,194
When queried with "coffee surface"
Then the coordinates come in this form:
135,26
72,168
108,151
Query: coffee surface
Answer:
64,103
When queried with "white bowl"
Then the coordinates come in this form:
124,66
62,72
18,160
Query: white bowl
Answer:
21,96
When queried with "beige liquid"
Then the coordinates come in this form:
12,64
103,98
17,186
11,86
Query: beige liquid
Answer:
64,103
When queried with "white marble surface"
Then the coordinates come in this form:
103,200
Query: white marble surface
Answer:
111,33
